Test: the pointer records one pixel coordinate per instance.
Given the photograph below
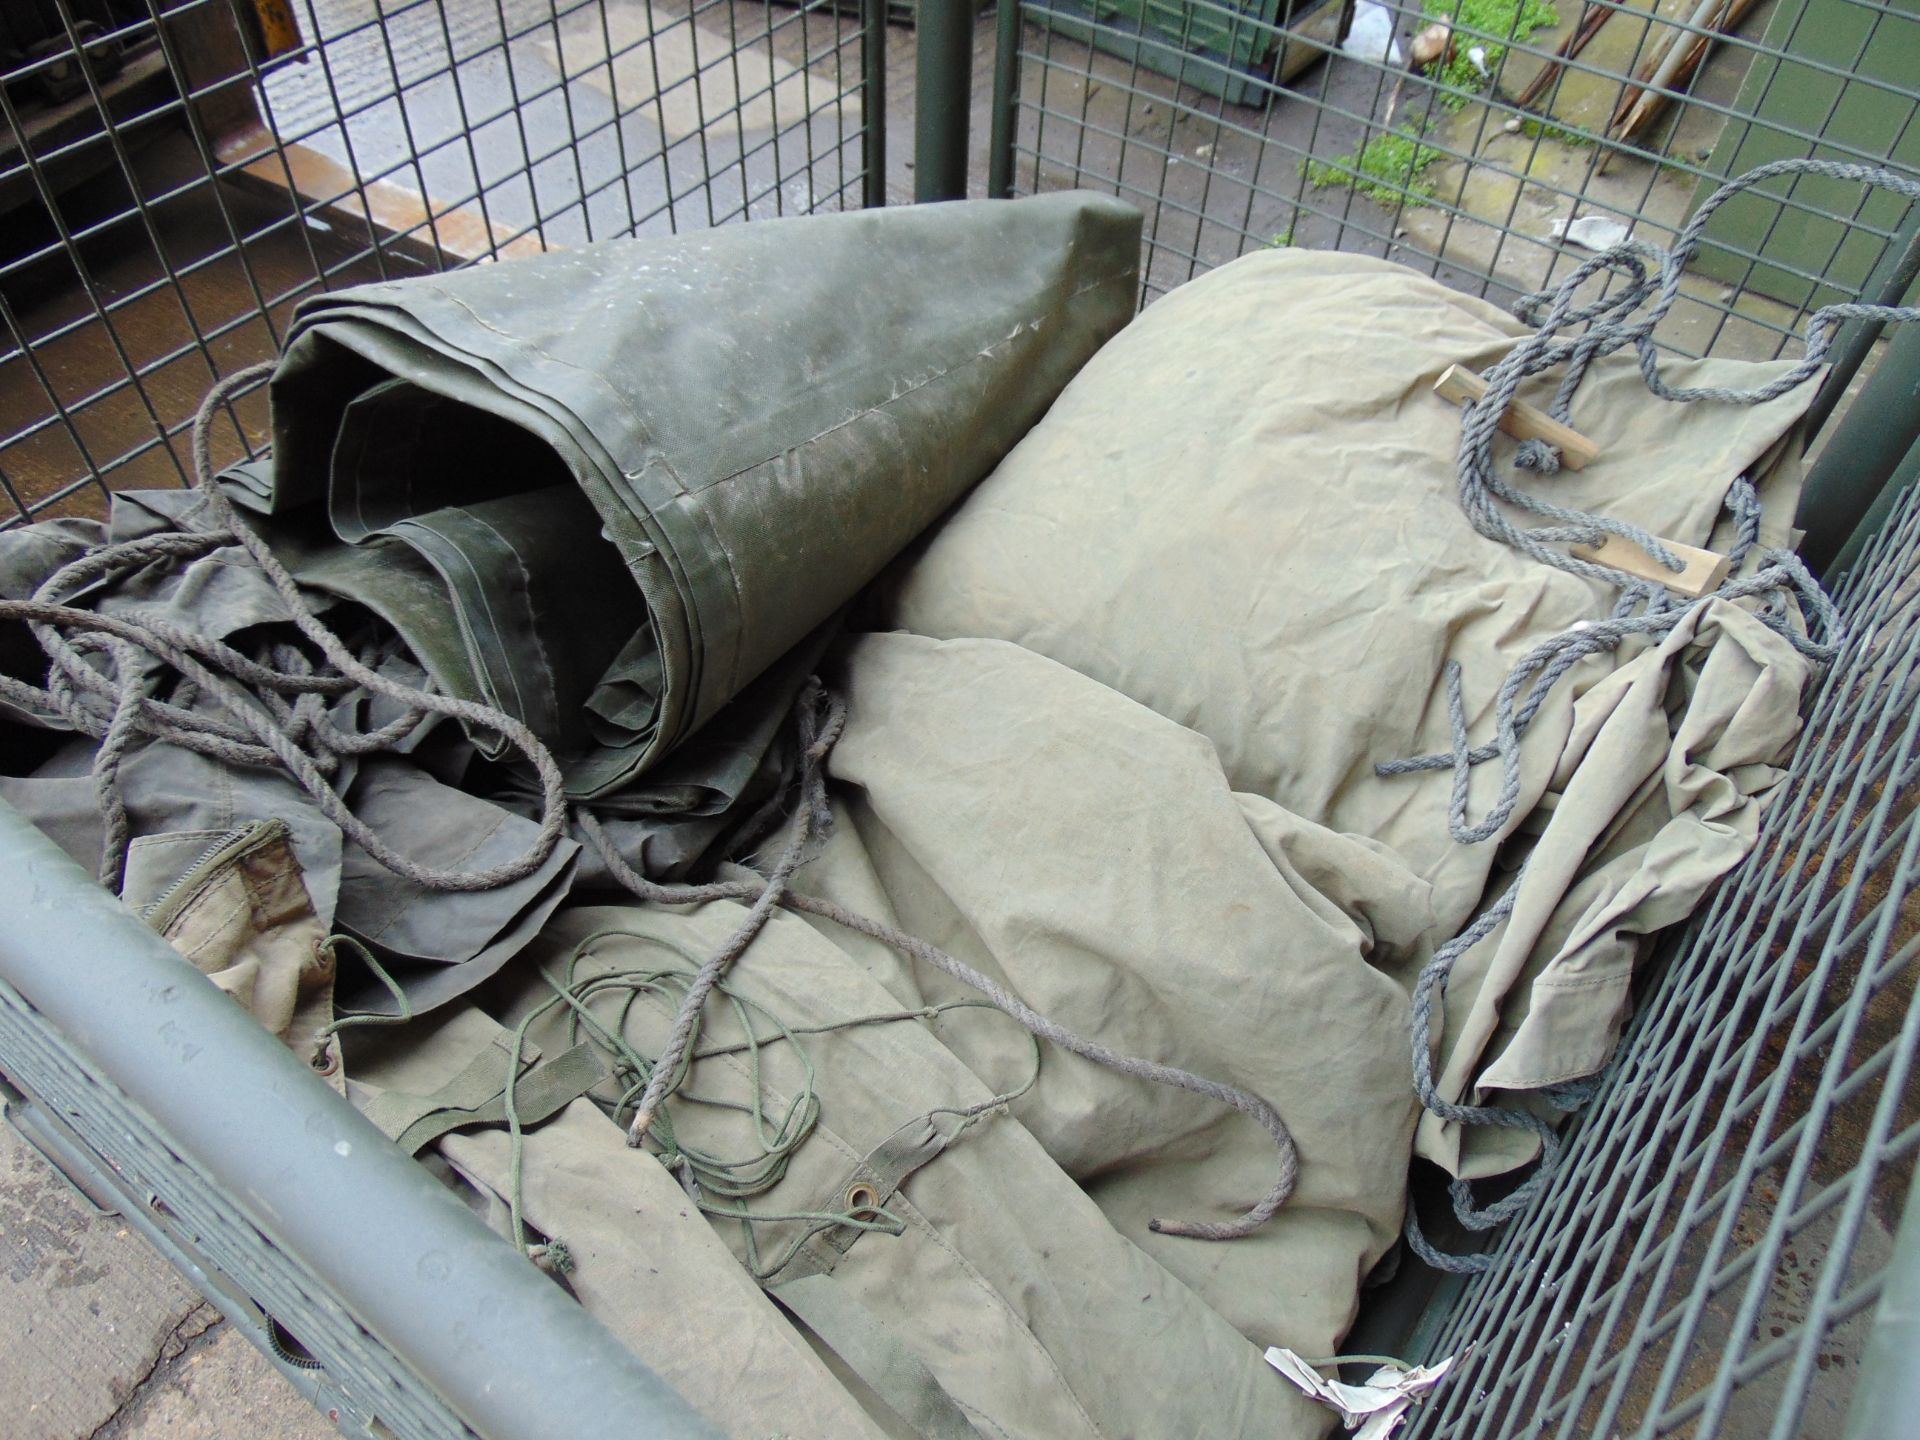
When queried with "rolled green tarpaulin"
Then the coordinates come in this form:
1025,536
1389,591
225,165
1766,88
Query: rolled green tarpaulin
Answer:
758,418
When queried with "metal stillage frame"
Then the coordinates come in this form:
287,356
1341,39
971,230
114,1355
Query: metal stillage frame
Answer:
1761,1106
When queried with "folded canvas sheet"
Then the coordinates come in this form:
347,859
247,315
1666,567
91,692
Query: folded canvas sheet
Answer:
622,493
1111,876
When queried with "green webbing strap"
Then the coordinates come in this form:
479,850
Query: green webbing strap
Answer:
539,1094
877,1355
885,1168
477,1095
480,1080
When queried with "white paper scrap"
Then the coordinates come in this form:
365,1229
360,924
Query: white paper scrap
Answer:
1591,232
1370,35
1375,1408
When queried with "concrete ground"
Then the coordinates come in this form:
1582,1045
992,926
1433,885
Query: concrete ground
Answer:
1219,178
103,1340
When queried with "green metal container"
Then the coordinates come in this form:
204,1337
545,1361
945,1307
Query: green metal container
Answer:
1228,50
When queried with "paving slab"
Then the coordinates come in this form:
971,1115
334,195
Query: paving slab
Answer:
93,1322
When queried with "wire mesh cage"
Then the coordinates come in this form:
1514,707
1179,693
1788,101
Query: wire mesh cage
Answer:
177,174
1707,1260
1483,141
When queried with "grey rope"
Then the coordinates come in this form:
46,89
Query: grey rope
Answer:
1644,609
821,718
1611,323
807,811
260,726
1548,661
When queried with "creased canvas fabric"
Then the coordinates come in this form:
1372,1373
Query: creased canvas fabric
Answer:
1243,514
605,489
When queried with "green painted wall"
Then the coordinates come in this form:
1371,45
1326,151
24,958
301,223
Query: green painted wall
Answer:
1791,101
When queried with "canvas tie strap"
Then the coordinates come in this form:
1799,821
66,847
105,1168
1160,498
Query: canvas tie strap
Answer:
477,1095
885,1169
874,1352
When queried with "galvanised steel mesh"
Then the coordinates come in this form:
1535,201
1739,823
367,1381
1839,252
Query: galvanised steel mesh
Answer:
176,174
1242,123
1707,1259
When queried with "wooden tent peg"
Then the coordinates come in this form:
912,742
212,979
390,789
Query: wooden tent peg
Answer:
1521,420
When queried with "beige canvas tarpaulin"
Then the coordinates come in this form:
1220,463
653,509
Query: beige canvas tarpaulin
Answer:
235,903
1112,877
1657,794
1208,929
1243,514
646,1263
1036,1314
1118,756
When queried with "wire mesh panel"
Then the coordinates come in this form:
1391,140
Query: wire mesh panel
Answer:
176,174
1707,1258
1484,141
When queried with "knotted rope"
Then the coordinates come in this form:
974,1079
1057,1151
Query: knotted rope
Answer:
1611,323
256,723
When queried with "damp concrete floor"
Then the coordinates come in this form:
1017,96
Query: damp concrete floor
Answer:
103,1340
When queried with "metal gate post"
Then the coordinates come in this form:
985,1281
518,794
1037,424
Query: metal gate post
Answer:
944,80
1006,95
1863,452
1899,267
873,103
1889,1384
281,1171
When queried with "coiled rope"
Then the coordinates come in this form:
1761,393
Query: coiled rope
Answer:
1812,624
272,715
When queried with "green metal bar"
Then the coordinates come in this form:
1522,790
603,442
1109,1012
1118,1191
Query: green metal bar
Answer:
1886,1397
1877,517
1891,279
1863,454
1006,97
327,1194
944,81
873,103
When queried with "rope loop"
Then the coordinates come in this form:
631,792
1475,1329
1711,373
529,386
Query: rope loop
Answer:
1793,604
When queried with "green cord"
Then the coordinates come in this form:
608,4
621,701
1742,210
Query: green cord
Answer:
778,1135
331,946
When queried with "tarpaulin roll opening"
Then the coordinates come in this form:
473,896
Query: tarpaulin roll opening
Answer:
605,489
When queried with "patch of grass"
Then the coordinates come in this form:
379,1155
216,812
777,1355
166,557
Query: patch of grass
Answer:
1519,18
1388,168
1546,130
1282,240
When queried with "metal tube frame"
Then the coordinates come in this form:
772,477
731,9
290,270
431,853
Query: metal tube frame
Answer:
1857,464
268,1184
943,64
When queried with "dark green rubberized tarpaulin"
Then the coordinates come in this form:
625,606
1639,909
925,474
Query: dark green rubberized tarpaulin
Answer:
757,418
